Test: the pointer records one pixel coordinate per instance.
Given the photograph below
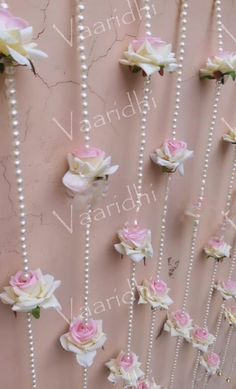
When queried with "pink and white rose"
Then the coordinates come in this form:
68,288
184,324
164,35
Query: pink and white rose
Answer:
155,292
230,315
230,137
89,169
151,55
211,362
172,155
220,67
135,242
30,291
84,340
125,368
201,338
147,384
16,46
179,323
218,249
226,288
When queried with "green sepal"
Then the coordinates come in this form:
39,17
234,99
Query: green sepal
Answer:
135,69
36,312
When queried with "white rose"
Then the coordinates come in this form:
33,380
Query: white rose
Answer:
84,340
172,155
29,291
179,323
151,55
16,40
154,292
217,248
230,315
230,137
226,288
201,338
135,242
211,362
88,167
218,67
125,369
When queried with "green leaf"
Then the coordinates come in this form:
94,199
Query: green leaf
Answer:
36,312
135,69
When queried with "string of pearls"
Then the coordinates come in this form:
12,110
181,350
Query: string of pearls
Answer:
80,27
11,93
196,221
140,168
213,279
178,88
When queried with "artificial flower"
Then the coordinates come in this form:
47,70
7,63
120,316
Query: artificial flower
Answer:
230,137
147,384
135,242
226,288
125,368
171,156
16,46
230,315
211,362
220,67
155,292
217,248
151,55
201,338
89,169
179,323
28,292
84,340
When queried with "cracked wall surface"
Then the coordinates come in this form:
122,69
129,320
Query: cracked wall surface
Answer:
51,127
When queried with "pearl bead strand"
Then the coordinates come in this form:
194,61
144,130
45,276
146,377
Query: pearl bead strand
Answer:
80,27
11,93
196,222
213,279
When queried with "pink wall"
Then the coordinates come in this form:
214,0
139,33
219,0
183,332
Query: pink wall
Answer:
54,96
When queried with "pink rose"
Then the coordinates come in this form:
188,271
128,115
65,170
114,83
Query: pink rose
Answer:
201,334
128,362
23,281
213,359
155,42
217,248
88,153
159,287
174,147
230,286
81,332
136,235
182,319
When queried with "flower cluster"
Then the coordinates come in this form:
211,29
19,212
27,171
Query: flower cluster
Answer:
211,362
171,156
220,67
89,169
16,46
201,338
226,288
155,292
179,323
218,249
125,368
150,55
28,292
135,242
84,339
230,315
